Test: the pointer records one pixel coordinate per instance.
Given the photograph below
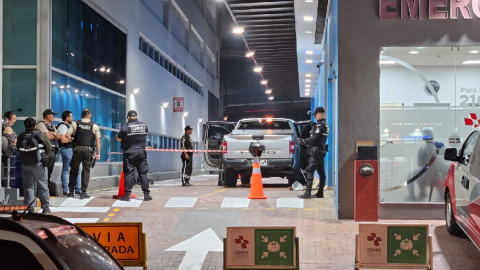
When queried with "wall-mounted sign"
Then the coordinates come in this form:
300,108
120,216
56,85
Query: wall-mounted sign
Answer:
431,9
178,104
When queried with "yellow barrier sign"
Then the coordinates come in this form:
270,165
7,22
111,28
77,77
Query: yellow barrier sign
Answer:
125,241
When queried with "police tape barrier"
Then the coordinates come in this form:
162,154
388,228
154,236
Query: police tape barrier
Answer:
125,241
261,248
399,246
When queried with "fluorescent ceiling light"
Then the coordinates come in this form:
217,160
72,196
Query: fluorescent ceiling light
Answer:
264,82
307,85
121,82
238,30
308,1
108,69
136,90
385,130
309,61
308,80
62,86
470,62
86,95
185,114
307,90
413,52
165,105
474,52
250,54
308,75
102,69
54,82
387,62
200,120
308,18
308,32
76,90
225,118
307,94
270,98
309,52
257,69
268,91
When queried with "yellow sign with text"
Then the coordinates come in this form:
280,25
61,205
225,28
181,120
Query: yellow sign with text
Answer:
125,241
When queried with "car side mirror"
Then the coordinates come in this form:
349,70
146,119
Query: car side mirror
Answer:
451,154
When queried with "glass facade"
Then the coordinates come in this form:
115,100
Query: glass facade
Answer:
19,91
19,32
73,95
87,45
429,102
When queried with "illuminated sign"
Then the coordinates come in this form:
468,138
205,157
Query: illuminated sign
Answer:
431,9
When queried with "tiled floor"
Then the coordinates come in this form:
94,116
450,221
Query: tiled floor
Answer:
177,214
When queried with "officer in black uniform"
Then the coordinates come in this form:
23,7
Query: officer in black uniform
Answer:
187,157
318,150
133,136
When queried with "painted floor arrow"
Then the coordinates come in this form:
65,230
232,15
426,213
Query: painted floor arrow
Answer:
197,249
282,255
397,237
265,255
397,252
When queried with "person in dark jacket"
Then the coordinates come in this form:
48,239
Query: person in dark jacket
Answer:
187,157
316,161
36,171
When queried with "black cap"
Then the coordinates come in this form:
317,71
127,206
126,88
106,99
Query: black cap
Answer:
48,111
319,110
86,111
132,113
188,128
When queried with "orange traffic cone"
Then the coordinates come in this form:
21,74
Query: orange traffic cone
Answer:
121,188
256,188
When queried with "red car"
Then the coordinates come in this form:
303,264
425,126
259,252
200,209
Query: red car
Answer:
462,189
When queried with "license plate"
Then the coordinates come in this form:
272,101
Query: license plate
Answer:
263,162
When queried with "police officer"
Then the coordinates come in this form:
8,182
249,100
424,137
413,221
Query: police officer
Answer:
87,137
33,169
187,157
317,142
49,129
133,136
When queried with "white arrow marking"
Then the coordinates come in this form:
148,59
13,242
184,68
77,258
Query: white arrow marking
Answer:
265,239
415,252
282,239
398,237
197,249
282,255
397,252
415,237
265,255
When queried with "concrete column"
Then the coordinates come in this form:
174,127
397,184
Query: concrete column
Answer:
167,4
44,57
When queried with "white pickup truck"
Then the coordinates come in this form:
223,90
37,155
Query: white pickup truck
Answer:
284,156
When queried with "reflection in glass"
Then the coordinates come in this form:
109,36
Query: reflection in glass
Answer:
19,91
429,102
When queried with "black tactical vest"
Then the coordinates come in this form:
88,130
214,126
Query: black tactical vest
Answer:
136,135
84,135
325,129
64,145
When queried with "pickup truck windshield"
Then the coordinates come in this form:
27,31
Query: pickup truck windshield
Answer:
257,125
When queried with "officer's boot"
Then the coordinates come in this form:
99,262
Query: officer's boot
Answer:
183,181
319,194
147,197
306,195
126,197
187,181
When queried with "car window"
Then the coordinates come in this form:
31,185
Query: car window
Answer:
16,256
263,124
475,168
216,132
468,147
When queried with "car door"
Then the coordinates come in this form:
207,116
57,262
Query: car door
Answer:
472,194
213,135
463,177
302,129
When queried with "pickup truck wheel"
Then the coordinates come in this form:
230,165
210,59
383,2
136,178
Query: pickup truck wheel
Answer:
452,226
245,179
230,178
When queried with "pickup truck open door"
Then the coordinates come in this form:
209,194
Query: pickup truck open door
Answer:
213,133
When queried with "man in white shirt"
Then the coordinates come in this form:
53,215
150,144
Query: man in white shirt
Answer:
66,151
